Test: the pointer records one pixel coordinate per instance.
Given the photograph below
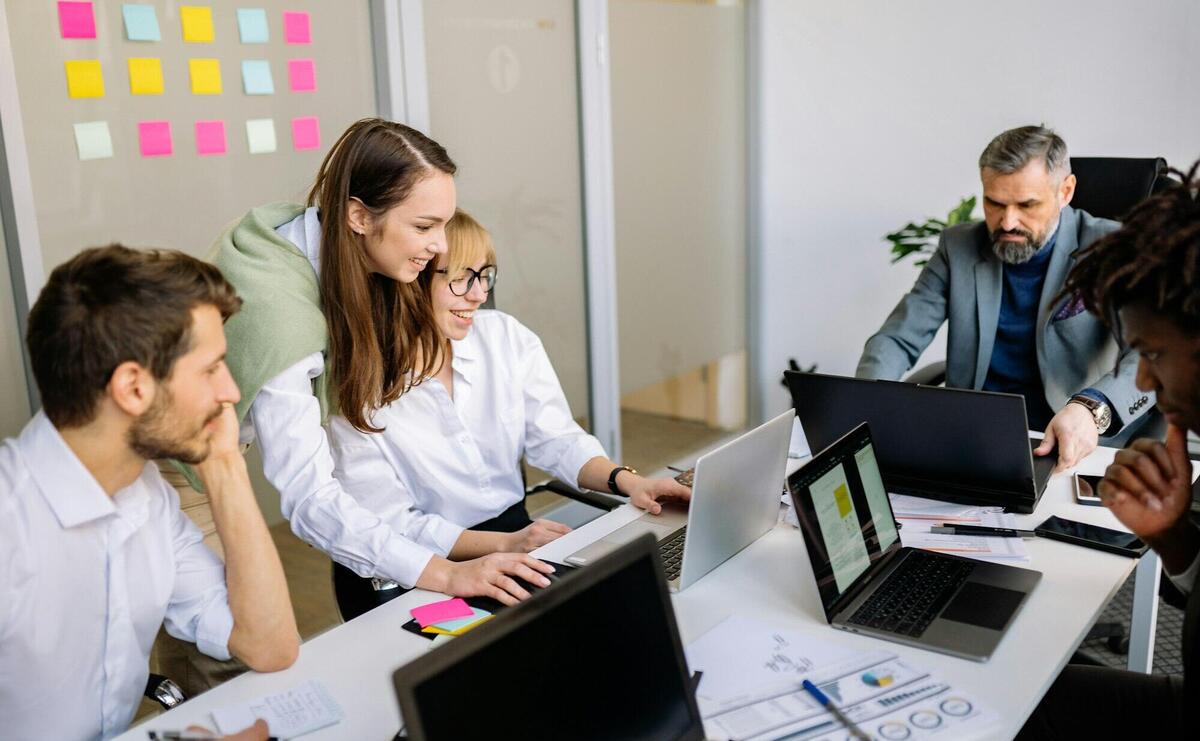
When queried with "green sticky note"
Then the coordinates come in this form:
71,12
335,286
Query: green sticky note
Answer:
260,135
93,140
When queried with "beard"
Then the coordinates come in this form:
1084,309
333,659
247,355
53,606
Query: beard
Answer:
1016,253
159,433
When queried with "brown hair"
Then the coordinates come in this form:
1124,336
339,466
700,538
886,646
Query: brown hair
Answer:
378,327
1154,258
110,305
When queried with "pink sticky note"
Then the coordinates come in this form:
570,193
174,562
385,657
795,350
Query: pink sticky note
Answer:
306,134
154,137
210,137
76,20
436,612
296,29
302,75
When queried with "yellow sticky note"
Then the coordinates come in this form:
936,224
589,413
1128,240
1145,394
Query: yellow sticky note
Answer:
145,76
841,495
206,76
84,79
197,23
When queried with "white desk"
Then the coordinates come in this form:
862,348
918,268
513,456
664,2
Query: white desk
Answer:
769,580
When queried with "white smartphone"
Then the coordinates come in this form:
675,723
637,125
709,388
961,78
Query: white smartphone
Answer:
1087,489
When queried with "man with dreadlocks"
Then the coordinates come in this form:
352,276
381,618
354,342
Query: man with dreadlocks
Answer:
1143,281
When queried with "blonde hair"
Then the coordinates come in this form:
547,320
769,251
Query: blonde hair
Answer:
467,243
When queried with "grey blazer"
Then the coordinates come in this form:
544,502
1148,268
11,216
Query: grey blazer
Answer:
963,282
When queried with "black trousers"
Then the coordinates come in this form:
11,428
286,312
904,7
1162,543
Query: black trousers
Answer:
1096,702
356,595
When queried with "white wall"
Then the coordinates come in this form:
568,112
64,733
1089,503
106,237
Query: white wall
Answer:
873,114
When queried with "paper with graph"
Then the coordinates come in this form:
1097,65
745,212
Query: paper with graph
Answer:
750,688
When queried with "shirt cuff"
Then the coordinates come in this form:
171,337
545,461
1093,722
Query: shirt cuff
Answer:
403,561
1186,581
442,533
213,630
1095,395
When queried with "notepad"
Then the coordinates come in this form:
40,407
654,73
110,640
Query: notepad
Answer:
458,626
298,711
439,612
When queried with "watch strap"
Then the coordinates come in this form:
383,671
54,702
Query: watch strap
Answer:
612,480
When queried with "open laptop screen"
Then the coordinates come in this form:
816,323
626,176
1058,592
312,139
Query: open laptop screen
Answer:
597,656
844,511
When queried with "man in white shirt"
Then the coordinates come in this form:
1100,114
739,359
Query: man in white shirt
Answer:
127,349
1144,280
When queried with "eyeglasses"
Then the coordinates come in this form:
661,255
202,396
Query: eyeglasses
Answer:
462,286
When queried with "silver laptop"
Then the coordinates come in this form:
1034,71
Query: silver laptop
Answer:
735,500
870,584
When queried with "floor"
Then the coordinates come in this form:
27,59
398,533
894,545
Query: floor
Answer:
1168,638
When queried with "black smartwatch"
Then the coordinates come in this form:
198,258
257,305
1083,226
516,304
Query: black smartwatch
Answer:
612,480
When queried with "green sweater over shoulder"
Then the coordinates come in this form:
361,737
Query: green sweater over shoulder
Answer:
281,321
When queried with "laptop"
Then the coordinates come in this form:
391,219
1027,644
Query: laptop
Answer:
735,500
870,584
951,444
560,664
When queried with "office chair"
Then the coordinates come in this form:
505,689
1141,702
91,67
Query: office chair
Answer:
1107,187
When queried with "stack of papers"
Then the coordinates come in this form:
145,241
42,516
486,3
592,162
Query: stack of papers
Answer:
751,689
918,515
451,617
296,712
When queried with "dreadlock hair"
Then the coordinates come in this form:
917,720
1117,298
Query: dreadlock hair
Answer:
1153,259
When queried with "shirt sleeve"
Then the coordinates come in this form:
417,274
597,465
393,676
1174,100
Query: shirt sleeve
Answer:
297,460
1116,424
554,441
198,611
367,475
1186,580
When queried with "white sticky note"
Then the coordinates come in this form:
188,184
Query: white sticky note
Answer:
93,140
260,134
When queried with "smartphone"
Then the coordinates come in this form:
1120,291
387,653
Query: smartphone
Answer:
1087,489
1091,536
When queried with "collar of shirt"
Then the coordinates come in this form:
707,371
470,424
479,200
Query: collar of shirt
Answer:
70,490
465,356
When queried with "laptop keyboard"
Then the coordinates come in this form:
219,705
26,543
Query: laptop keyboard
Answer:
913,595
671,551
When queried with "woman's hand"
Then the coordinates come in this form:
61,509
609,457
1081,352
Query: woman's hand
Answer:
535,536
492,576
648,493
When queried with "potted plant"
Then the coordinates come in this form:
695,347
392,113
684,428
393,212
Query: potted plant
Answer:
920,240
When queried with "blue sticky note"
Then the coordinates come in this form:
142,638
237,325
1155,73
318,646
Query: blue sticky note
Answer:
256,77
141,24
252,25
451,626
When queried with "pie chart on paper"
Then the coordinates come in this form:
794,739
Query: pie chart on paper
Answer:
877,680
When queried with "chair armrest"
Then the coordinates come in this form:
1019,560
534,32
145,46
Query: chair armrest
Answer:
933,374
606,502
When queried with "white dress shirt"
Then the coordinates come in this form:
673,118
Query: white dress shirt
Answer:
285,421
444,464
86,580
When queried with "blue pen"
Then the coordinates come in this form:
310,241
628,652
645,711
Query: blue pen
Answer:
820,697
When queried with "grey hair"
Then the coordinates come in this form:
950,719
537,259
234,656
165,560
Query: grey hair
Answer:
1016,148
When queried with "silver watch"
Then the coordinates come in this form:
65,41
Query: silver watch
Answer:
1100,411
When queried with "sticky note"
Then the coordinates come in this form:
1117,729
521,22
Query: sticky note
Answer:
256,77
84,79
141,23
260,135
306,133
471,625
296,29
154,138
458,626
210,137
197,24
77,20
93,140
252,26
145,76
302,75
436,612
206,76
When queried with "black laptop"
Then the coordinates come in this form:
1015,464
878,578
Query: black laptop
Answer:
870,584
596,655
950,444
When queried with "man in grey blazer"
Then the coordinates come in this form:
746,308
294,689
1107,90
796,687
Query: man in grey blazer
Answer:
998,282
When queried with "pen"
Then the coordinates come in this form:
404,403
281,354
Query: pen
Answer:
825,703
188,736
995,532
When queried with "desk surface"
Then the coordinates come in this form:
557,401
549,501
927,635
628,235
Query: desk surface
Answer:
355,661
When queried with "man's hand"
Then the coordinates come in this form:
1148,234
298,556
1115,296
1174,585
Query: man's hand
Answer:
1148,485
491,576
647,493
223,444
1073,429
534,536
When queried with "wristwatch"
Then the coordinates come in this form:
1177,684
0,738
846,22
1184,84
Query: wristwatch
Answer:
612,480
1100,411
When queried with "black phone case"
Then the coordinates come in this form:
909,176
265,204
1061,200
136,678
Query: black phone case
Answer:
1055,535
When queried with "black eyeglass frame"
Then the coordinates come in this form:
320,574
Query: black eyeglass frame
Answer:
474,275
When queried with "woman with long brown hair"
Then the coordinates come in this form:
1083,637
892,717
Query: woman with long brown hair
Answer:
332,321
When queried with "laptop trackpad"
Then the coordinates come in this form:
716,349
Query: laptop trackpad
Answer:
983,605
